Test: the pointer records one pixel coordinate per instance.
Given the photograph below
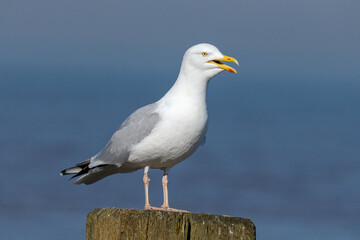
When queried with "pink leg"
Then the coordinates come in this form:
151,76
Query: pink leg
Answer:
165,184
146,180
165,205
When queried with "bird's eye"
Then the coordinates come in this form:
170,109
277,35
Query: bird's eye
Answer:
204,54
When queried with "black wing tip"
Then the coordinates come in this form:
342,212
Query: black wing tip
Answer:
83,165
82,172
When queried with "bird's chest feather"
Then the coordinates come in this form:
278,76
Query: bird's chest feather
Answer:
186,121
180,132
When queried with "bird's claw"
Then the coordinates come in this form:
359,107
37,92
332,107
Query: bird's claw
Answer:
169,209
164,208
148,207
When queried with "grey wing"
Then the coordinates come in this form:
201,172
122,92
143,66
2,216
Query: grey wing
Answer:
134,129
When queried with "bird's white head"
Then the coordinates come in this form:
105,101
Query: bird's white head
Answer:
205,59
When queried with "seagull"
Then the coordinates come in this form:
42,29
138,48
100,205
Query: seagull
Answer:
162,134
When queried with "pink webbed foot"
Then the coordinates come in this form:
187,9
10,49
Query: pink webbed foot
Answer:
148,207
166,208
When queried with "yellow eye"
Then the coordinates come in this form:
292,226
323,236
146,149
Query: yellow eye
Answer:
204,54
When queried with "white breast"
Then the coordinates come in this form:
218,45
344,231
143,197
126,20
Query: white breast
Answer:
182,127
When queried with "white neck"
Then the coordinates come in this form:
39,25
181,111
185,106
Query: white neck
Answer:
189,85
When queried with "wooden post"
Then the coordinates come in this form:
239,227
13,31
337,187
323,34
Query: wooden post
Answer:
112,223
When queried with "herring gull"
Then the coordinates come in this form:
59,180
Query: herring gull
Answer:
164,133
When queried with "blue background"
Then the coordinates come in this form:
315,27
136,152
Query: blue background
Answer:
283,141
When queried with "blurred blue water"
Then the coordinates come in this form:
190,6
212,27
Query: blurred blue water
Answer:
282,152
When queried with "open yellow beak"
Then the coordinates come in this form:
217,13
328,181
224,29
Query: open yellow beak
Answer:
224,66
